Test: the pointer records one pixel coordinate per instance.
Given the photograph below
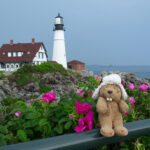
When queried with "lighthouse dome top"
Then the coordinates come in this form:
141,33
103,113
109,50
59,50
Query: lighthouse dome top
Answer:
58,16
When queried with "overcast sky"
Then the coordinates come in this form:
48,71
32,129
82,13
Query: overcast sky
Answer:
101,32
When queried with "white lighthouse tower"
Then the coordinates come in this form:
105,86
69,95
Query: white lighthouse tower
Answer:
59,52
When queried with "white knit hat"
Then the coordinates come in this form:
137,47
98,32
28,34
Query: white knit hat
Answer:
111,79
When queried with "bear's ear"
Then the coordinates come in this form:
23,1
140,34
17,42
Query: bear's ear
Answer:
96,93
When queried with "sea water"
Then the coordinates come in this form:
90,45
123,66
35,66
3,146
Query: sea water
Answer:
139,71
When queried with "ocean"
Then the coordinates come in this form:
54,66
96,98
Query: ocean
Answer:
139,71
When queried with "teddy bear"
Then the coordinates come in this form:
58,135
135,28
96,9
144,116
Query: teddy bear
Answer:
111,95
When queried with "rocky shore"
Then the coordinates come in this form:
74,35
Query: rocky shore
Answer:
60,83
57,82
128,77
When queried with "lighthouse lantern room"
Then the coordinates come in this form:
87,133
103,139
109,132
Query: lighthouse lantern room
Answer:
59,51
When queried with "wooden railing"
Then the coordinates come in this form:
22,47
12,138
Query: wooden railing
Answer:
81,141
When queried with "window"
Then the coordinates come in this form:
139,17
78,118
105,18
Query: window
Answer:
17,66
4,53
9,54
7,66
79,67
39,54
12,66
14,54
20,54
2,65
70,67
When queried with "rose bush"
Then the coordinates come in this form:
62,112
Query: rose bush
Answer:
73,113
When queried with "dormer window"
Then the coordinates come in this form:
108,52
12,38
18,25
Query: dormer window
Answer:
28,52
9,54
20,54
14,54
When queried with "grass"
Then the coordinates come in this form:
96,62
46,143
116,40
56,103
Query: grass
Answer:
25,79
24,75
2,76
44,88
42,68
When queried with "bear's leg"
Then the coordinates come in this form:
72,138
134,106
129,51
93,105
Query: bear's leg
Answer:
118,126
106,126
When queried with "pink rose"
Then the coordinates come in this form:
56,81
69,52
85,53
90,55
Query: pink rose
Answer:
80,93
49,97
97,78
132,107
90,93
18,113
126,113
82,108
85,123
132,99
131,86
143,87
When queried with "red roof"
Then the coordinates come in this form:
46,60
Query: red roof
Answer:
75,62
54,62
19,47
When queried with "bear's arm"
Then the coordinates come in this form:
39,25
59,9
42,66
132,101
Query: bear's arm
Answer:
101,105
123,106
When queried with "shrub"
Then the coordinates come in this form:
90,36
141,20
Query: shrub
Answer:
42,68
47,118
2,76
25,75
25,79
44,88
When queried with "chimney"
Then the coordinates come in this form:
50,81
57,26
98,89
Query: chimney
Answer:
11,42
33,40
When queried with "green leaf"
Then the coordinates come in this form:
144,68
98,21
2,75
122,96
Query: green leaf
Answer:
30,123
2,142
48,130
62,120
68,125
34,115
29,132
10,123
59,129
8,137
21,104
43,122
3,129
22,135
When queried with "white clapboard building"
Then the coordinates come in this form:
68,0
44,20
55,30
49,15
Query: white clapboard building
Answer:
15,55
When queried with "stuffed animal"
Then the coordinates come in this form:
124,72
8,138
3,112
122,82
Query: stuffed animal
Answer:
111,95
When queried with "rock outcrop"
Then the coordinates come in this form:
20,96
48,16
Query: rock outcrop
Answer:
60,83
127,78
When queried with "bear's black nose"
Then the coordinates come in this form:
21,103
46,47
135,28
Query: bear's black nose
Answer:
109,92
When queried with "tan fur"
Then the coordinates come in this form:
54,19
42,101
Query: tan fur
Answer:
110,117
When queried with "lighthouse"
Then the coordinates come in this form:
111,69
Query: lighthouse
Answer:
59,51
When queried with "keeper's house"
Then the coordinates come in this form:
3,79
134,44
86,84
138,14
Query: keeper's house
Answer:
76,65
15,55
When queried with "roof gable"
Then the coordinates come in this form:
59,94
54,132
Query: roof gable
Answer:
20,47
75,62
